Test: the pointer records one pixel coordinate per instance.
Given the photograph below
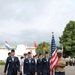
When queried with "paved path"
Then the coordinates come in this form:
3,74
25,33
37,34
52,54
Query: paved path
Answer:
1,70
69,70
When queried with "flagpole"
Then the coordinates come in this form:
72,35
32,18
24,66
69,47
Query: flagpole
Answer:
51,54
52,34
54,57
50,49
62,49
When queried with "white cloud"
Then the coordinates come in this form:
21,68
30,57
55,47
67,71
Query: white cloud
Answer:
23,17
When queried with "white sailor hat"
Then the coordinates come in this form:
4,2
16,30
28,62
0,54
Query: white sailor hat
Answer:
59,51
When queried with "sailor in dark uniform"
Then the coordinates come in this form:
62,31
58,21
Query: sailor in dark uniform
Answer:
46,64
29,67
39,65
12,65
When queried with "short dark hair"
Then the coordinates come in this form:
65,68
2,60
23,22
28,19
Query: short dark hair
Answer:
9,53
12,50
40,54
25,54
29,52
21,57
46,52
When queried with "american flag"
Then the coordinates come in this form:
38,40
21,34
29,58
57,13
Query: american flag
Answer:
54,57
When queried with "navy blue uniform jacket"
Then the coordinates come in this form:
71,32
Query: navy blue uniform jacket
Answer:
29,67
12,65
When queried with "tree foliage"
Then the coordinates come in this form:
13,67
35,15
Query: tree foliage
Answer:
68,39
58,48
42,47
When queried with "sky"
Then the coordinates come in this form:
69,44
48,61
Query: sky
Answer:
26,21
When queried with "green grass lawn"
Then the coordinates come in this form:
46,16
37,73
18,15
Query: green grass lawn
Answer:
2,63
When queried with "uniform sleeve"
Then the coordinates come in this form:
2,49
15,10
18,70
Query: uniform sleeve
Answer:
18,64
24,67
64,62
35,66
42,62
6,65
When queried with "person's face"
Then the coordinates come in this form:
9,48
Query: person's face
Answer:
36,57
9,54
41,56
47,55
25,56
59,55
29,55
12,53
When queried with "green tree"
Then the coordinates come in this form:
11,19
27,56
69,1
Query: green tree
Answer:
58,47
68,39
42,47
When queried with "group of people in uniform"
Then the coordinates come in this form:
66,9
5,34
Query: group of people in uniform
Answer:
38,65
70,61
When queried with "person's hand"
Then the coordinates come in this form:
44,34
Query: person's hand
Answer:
5,74
35,73
18,73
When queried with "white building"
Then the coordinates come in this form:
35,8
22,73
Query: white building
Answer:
19,51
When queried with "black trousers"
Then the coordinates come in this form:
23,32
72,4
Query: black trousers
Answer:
11,73
29,73
59,73
46,73
39,73
20,73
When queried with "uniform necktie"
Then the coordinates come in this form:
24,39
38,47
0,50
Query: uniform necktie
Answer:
29,60
12,58
47,59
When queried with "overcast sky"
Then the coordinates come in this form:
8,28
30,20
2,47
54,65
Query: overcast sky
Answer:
34,20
